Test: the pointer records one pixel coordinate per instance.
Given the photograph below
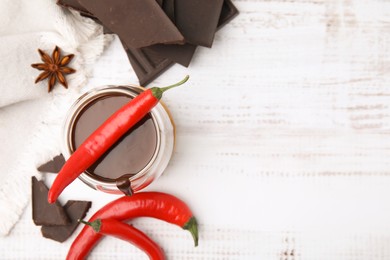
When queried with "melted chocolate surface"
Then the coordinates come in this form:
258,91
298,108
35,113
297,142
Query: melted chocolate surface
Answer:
130,154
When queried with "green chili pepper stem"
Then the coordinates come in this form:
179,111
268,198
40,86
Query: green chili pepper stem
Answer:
94,224
158,92
192,226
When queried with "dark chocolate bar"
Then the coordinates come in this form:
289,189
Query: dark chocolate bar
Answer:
160,2
139,23
169,9
76,210
75,5
198,20
183,54
229,11
53,166
146,64
43,212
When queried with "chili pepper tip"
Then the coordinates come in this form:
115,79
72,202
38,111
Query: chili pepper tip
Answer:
158,92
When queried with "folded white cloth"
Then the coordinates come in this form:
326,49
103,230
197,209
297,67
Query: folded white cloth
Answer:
29,115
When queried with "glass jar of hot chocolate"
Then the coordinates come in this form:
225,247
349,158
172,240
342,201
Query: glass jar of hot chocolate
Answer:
137,158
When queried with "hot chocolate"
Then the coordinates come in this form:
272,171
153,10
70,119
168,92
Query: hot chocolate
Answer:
130,154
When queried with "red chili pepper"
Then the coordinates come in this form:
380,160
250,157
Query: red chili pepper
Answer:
105,136
144,204
128,233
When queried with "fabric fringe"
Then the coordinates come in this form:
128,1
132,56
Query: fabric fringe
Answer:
85,39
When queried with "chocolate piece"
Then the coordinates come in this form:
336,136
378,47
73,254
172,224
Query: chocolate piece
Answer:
198,20
160,2
229,11
53,166
183,54
43,212
76,210
169,9
139,23
147,65
74,5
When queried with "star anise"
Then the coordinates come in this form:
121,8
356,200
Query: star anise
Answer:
54,68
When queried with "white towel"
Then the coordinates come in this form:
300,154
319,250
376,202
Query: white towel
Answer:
29,115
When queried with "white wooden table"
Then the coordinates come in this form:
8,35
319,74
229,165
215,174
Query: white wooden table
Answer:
283,140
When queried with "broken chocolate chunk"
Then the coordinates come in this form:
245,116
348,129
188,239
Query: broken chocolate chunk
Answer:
149,62
139,23
43,212
160,2
183,54
76,210
229,11
146,64
198,20
53,166
75,5
169,9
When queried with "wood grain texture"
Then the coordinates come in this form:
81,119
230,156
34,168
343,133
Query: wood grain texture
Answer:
287,129
283,138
